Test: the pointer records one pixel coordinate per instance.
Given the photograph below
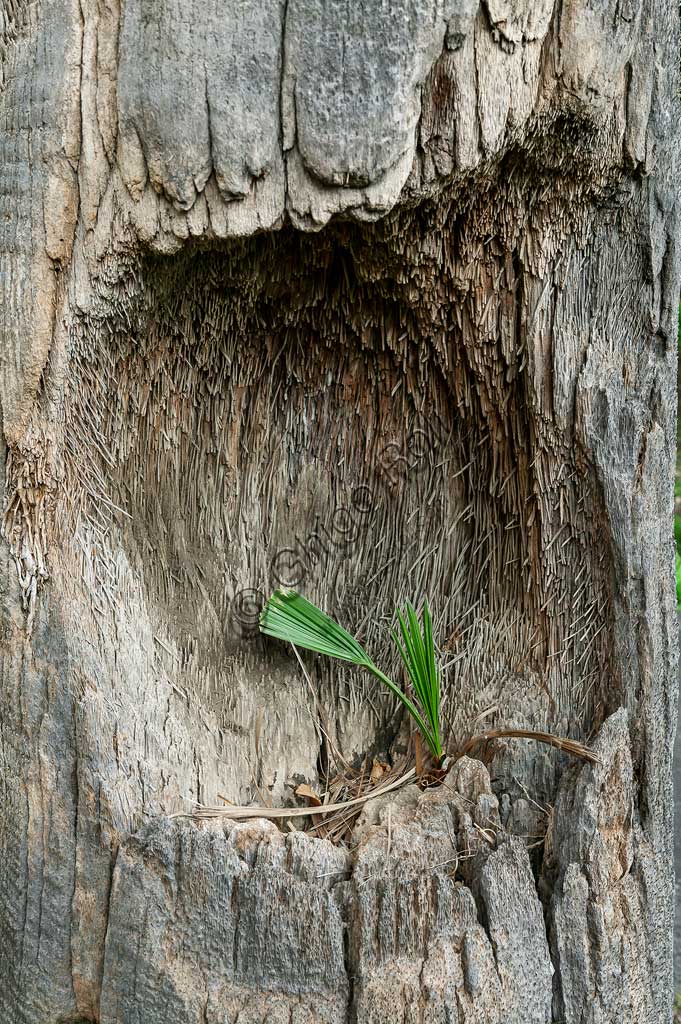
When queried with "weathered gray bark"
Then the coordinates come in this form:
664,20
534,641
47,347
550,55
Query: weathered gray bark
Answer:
677,846
377,298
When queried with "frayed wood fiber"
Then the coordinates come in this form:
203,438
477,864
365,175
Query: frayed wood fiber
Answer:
234,403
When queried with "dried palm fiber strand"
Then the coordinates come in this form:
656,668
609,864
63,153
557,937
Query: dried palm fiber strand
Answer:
243,813
568,746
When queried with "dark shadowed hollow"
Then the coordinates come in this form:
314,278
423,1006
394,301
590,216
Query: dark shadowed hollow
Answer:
355,413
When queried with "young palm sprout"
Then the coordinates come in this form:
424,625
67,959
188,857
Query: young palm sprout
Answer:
289,616
418,655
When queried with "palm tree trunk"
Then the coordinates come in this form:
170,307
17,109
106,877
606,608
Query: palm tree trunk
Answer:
377,301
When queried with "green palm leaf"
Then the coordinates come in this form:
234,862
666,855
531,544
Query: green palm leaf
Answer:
417,651
290,617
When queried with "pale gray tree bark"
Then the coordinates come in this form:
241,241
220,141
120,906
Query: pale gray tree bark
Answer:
376,298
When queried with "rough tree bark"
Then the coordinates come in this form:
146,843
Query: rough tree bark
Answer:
377,298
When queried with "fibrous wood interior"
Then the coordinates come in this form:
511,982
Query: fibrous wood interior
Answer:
368,414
